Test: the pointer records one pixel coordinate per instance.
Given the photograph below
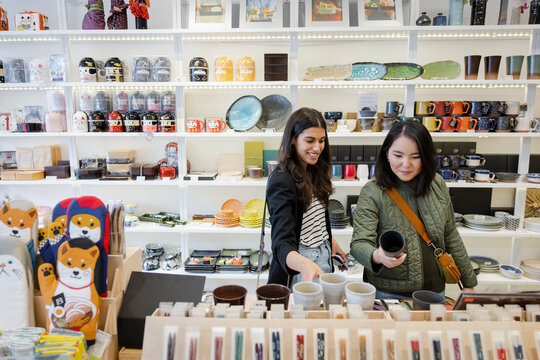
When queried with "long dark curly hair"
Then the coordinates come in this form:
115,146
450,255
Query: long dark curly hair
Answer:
314,180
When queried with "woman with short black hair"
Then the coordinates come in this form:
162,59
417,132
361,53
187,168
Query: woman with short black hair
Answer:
407,163
297,195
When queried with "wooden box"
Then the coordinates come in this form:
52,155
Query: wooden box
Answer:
8,175
61,172
30,175
149,171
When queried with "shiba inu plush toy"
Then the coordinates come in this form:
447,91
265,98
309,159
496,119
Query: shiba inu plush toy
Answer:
49,249
87,217
16,284
18,220
72,300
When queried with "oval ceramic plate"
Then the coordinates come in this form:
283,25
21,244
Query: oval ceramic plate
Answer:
441,70
367,71
244,113
403,71
276,111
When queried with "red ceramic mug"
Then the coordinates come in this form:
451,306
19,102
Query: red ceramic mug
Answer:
349,172
215,125
441,108
194,125
466,123
449,123
459,107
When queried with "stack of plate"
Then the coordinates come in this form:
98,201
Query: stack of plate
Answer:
228,256
338,219
487,264
226,218
203,261
531,268
532,224
483,222
253,214
475,266
254,261
458,217
511,272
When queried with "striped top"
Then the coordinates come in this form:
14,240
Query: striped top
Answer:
313,231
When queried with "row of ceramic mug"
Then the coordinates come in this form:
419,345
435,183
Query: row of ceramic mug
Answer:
481,175
514,63
480,123
472,108
350,172
210,124
456,160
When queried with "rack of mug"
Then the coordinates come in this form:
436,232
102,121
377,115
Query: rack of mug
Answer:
320,337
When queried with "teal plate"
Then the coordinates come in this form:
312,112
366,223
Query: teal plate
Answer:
403,71
367,71
441,70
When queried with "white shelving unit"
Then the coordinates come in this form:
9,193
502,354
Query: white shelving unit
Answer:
306,47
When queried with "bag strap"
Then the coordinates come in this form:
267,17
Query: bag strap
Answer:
261,243
409,213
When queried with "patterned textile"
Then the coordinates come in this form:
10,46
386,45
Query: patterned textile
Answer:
117,19
95,17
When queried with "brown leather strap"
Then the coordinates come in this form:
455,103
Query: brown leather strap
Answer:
409,213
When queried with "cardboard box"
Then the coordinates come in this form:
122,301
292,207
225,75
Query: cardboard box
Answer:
118,169
8,175
25,159
31,21
30,175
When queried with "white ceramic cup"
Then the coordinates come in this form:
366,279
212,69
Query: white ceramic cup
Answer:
512,108
333,288
308,294
474,161
484,176
362,171
523,124
360,293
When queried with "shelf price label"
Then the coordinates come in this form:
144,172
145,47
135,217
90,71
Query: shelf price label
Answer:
50,178
141,178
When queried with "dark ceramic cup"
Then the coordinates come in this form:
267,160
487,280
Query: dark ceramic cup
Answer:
456,160
230,294
496,107
479,108
533,67
464,174
448,174
491,67
505,123
422,299
392,243
485,123
387,123
274,294
472,64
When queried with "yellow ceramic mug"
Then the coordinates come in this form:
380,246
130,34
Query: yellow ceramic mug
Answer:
431,123
424,107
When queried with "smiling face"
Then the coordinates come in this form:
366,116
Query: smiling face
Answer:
404,159
309,145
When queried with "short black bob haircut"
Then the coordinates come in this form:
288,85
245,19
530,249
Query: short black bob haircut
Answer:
418,133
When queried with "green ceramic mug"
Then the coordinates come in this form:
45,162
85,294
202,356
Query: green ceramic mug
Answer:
513,65
533,67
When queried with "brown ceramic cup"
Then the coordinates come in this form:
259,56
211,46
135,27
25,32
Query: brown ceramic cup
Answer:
230,294
491,67
472,64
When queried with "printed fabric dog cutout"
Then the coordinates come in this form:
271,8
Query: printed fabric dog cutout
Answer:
48,251
87,217
72,301
19,220
16,284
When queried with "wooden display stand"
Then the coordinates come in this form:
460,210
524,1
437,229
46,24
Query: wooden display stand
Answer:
153,346
118,272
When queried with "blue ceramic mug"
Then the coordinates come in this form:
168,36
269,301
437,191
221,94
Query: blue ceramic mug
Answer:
474,161
483,175
337,171
485,123
448,174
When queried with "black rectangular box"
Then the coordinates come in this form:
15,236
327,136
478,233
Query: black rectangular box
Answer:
534,164
334,153
144,293
513,161
370,153
344,153
471,201
496,162
467,148
357,153
439,147
450,148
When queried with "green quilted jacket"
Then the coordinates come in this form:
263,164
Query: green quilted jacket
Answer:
376,212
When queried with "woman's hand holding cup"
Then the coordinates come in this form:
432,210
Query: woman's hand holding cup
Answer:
379,257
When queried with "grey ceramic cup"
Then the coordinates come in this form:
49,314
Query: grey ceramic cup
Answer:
533,67
392,243
333,288
271,166
422,299
360,293
514,64
308,294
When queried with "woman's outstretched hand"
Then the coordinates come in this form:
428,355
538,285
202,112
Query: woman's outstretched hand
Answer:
379,257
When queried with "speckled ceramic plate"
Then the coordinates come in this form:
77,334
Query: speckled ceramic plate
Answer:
403,71
367,71
244,113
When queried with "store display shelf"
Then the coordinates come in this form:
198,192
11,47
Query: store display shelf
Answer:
39,182
419,83
148,227
217,85
73,181
146,136
215,275
31,86
23,36
152,35
121,85
234,134
34,134
197,228
243,182
499,279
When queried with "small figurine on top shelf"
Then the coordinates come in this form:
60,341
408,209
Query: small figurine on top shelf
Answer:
139,9
117,19
95,17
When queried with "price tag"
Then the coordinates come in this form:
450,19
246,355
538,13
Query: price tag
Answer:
166,178
269,130
232,178
471,131
50,178
141,178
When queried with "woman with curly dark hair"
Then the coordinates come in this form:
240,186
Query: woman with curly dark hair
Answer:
297,195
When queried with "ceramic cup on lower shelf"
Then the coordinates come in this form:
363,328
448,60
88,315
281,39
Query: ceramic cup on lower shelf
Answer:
308,294
360,293
333,288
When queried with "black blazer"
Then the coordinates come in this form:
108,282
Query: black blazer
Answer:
286,218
